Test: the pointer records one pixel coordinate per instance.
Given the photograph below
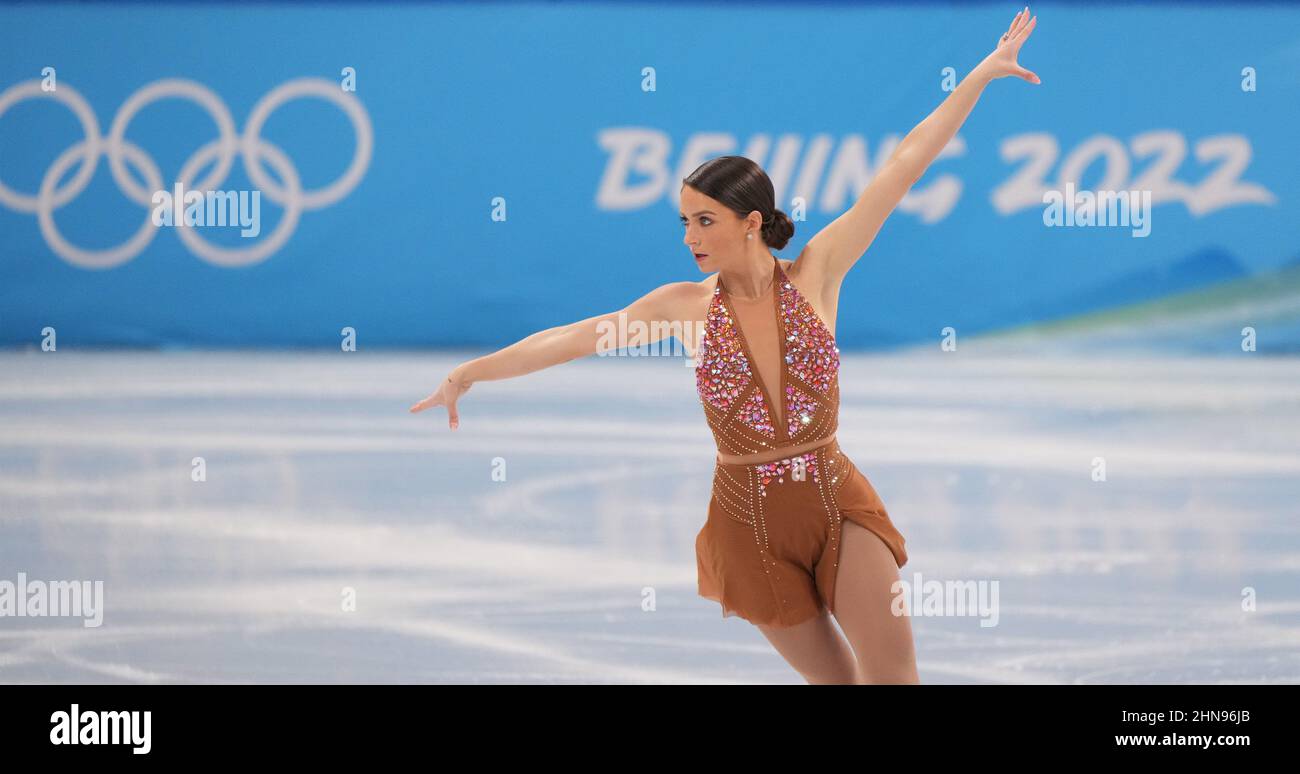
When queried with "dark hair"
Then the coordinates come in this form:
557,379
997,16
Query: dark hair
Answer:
744,187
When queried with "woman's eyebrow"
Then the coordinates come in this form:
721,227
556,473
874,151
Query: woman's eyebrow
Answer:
701,212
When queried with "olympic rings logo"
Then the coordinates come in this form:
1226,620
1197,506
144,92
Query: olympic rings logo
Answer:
251,148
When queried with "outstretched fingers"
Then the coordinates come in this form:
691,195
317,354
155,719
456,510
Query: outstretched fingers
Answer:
453,416
1017,42
1015,22
438,399
1023,34
433,400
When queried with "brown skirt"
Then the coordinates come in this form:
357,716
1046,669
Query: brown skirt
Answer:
769,551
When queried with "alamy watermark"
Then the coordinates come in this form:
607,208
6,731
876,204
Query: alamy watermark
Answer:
942,598
1123,209
640,339
79,726
209,208
80,599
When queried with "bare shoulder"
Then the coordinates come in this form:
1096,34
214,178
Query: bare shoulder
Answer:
689,299
686,304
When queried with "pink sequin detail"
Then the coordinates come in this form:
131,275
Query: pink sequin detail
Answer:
723,371
777,470
811,354
800,408
754,415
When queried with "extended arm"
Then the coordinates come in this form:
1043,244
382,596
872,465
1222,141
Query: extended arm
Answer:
833,250
654,312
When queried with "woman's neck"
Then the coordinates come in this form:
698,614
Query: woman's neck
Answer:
753,284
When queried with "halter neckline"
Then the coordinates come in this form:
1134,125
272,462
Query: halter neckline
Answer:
743,414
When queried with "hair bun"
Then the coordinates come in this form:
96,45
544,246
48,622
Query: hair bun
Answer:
778,230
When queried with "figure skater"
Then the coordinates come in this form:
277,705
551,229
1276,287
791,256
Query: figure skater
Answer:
795,533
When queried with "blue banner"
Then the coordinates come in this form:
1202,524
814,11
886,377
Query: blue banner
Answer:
464,175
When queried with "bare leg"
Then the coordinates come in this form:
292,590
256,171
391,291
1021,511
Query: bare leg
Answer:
815,649
882,641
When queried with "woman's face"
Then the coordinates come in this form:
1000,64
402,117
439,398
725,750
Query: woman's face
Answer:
713,233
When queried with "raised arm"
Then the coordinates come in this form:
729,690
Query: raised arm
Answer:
830,254
656,311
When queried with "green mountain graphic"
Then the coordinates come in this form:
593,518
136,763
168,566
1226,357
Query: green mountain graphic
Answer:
1208,319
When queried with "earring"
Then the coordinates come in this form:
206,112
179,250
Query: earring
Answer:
749,235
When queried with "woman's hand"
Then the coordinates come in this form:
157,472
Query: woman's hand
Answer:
1002,62
447,394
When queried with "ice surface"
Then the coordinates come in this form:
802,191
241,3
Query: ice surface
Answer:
318,480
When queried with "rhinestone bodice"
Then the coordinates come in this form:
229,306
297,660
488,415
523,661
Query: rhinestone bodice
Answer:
737,403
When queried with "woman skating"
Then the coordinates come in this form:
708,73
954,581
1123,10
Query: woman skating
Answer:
795,533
